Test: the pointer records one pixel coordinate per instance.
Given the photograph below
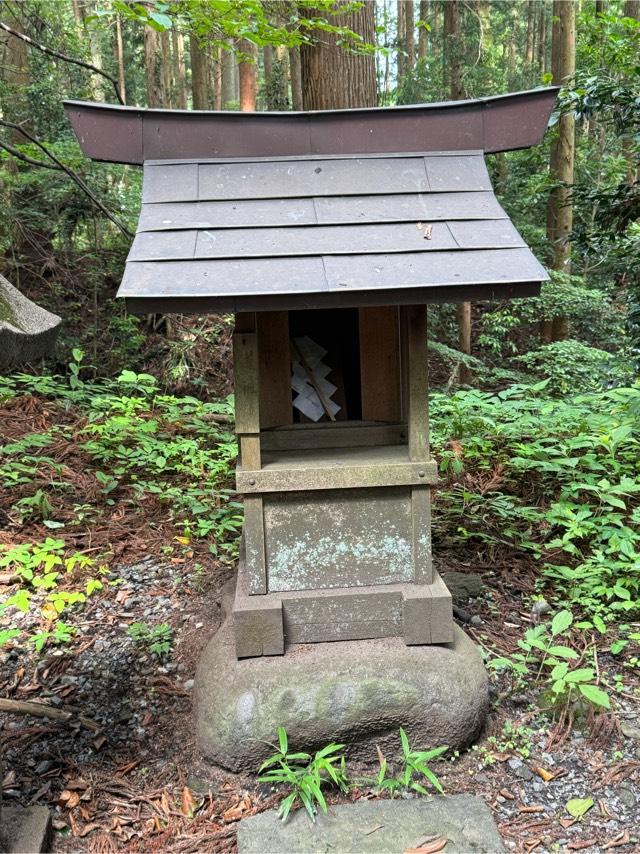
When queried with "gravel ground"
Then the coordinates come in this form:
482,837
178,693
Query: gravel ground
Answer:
115,776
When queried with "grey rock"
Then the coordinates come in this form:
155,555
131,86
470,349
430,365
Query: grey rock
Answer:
356,692
630,730
188,685
524,773
27,332
463,585
380,826
25,829
627,796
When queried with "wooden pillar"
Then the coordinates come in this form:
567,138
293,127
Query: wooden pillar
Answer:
247,413
415,328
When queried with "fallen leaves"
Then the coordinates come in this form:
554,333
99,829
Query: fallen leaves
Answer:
428,846
236,812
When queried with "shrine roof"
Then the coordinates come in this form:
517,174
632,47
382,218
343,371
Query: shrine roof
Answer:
327,227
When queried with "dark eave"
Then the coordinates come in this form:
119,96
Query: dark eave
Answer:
134,135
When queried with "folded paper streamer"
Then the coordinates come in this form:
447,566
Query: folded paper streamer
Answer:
307,400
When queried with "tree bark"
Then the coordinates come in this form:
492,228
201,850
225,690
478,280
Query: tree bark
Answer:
334,79
165,62
452,50
216,68
248,79
542,38
179,73
295,72
559,209
453,57
199,82
409,36
119,56
423,33
153,68
400,37
228,78
97,88
561,160
631,9
531,19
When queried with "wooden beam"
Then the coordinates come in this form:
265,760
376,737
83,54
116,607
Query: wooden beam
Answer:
274,367
380,363
418,385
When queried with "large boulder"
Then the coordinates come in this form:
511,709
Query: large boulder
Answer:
27,332
356,692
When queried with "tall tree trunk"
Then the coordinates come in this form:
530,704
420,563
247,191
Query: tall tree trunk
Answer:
531,22
165,44
452,49
179,73
153,68
248,79
559,208
296,78
400,37
454,67
333,78
199,82
542,38
423,33
631,9
118,48
409,36
96,80
216,68
228,77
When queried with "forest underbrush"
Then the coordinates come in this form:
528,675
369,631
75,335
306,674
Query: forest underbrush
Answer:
119,527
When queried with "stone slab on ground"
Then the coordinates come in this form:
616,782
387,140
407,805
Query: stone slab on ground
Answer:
27,331
25,830
354,692
380,827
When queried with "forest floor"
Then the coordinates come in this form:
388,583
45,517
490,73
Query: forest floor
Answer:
124,773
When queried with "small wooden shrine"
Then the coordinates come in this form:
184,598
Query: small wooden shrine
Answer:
327,234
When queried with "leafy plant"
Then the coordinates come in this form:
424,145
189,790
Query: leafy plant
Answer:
414,763
158,639
304,775
549,663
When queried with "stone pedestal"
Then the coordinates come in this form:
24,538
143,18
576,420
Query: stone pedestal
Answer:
377,827
356,692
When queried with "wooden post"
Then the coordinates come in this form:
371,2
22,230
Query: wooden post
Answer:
418,385
247,399
415,325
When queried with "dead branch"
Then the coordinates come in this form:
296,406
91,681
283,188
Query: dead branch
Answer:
39,710
26,159
63,56
70,172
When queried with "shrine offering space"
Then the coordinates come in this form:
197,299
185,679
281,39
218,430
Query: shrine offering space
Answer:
327,234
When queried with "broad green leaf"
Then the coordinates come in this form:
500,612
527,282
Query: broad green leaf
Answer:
577,807
282,739
595,695
562,652
561,622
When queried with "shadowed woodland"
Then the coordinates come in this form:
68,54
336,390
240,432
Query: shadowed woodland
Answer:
119,524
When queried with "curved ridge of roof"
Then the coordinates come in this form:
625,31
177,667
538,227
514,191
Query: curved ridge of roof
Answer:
133,134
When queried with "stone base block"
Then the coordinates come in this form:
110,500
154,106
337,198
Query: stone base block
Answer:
377,827
27,332
356,692
263,624
25,830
